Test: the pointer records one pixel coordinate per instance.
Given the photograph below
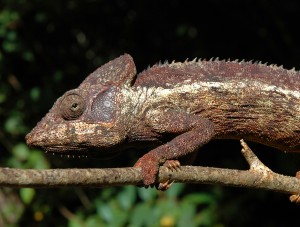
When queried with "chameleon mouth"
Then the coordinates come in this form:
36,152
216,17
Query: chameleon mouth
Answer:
69,150
67,155
79,152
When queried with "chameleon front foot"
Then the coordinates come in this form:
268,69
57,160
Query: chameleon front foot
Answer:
149,165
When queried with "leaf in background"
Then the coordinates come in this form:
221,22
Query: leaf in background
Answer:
200,198
35,93
21,151
37,160
140,214
175,190
147,194
27,195
105,212
94,220
127,197
14,124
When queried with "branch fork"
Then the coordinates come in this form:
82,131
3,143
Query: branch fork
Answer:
257,165
252,159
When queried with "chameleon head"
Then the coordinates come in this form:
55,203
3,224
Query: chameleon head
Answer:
79,126
85,119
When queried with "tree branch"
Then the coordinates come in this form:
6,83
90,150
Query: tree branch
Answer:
258,176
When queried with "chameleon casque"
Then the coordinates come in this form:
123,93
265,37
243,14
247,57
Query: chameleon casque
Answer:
174,107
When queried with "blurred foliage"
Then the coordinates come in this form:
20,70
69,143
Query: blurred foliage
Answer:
48,47
134,206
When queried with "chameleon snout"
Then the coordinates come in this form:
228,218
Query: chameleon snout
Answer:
34,139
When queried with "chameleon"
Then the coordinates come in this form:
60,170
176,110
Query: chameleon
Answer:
174,108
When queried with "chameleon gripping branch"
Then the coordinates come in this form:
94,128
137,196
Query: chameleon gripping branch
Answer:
258,176
175,108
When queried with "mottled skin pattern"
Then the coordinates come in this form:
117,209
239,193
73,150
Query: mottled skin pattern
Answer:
176,108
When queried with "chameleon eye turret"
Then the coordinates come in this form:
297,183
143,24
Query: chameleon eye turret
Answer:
72,106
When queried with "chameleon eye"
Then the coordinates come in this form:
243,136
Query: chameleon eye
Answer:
72,106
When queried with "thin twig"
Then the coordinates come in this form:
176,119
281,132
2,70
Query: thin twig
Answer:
252,159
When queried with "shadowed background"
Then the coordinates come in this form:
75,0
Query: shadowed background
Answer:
48,47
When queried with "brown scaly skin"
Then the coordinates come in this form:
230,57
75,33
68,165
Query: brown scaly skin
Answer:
176,107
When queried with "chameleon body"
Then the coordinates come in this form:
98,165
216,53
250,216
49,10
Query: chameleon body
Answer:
174,107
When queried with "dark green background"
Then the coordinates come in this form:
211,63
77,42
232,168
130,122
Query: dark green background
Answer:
48,47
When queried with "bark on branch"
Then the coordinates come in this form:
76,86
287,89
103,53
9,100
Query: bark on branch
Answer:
258,176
